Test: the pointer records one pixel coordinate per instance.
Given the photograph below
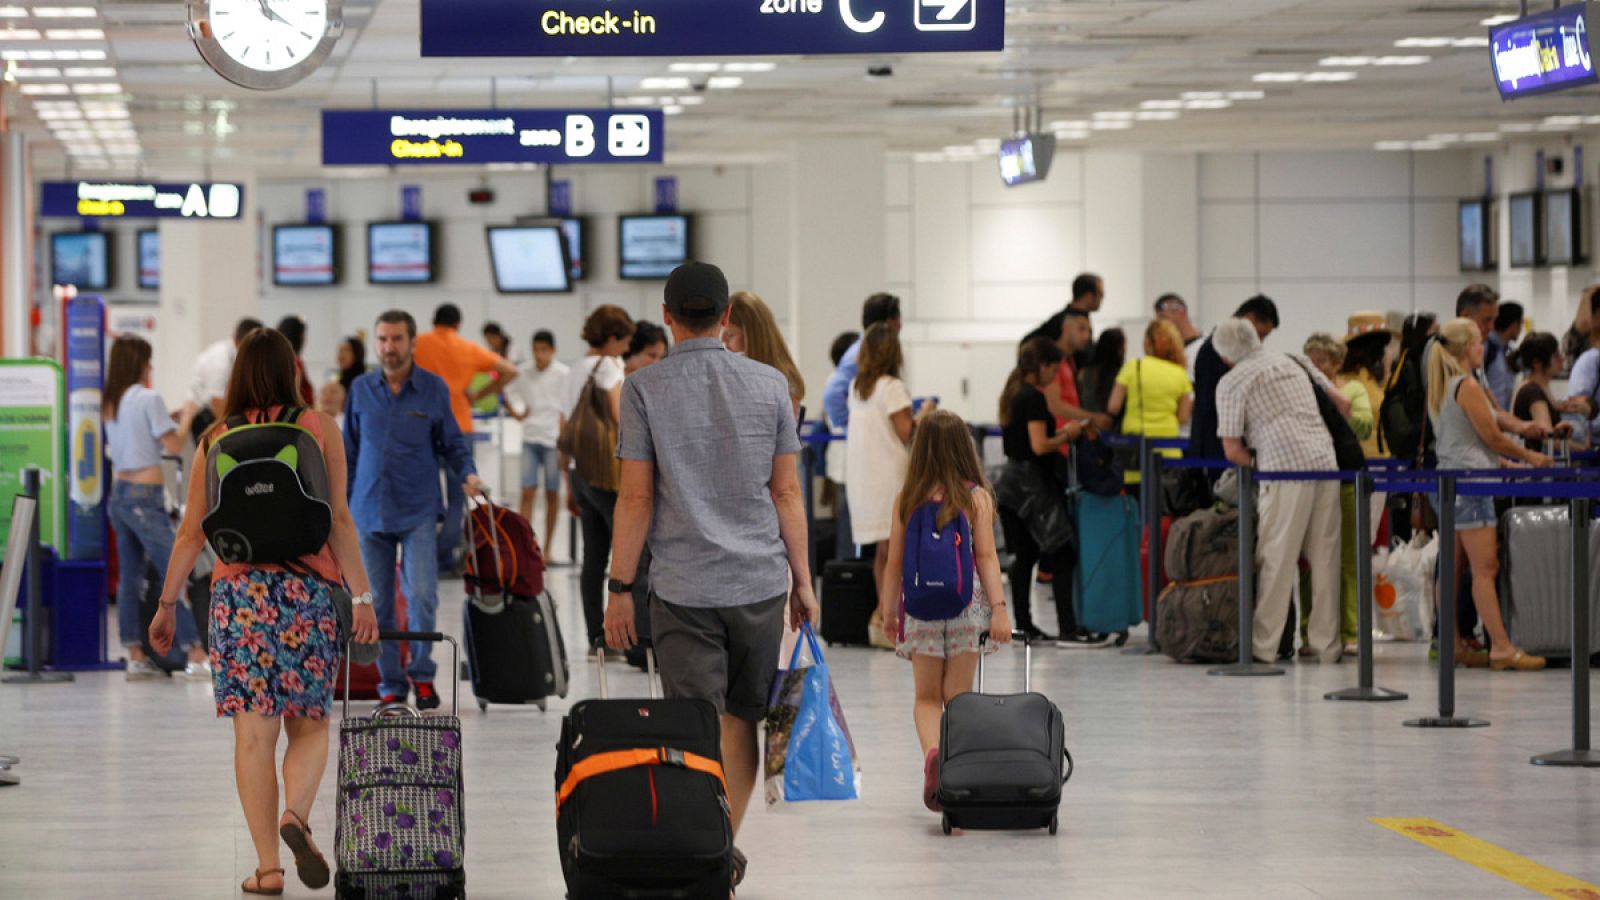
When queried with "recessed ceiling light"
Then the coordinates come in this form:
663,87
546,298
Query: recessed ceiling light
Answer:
1202,95
19,34
664,84
1424,42
636,101
1156,115
1345,61
1162,104
962,151
1466,42
1072,135
65,12
1330,76
1110,125
75,34
1497,20
91,72
109,87
691,100
1480,137
750,67
1392,145
85,55
1402,60
1563,120
1247,95
1516,127
1208,104
1114,115
724,81
1591,120
13,12
1069,125
61,115
926,157
672,110
1278,77
1445,138
37,72
45,89
694,67
1426,145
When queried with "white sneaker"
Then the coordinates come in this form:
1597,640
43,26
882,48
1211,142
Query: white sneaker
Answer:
198,671
142,670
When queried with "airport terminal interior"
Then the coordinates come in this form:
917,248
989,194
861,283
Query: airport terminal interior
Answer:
1052,219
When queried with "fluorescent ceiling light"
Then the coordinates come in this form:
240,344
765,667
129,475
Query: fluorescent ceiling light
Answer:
1392,145
1114,115
65,12
19,34
1402,60
100,114
1346,62
1563,120
1516,127
1591,120
44,89
1208,104
108,87
694,67
1110,125
629,101
1426,145
85,55
1445,138
1278,77
927,157
724,81
59,114
988,145
750,67
1330,76
123,149
1466,42
1480,137
672,110
1162,104
37,72
1069,125
1247,95
1156,115
664,84
1202,95
75,34
691,100
1072,135
91,72
13,12
1424,42
1497,20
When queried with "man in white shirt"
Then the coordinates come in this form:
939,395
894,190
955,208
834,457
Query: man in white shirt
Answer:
541,395
208,383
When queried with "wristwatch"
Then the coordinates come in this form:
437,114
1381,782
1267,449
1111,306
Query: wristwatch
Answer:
365,599
619,587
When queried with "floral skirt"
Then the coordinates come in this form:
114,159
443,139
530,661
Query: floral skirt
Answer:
946,638
274,645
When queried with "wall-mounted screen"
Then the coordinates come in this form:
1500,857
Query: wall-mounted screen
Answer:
1026,159
149,259
400,253
1564,228
651,246
305,255
81,259
1527,236
1475,224
529,259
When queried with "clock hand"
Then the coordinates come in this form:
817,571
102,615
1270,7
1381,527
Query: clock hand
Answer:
271,14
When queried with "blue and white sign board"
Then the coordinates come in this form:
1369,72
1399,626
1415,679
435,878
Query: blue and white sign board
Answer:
84,321
560,200
666,194
710,27
1546,52
364,137
316,205
411,202
140,200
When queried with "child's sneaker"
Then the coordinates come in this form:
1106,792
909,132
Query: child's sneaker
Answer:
930,781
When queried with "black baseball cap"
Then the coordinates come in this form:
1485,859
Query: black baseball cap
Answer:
696,291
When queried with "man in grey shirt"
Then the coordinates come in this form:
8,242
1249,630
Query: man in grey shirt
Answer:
709,451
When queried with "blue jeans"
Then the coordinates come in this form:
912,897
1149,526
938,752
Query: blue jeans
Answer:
455,513
421,579
144,536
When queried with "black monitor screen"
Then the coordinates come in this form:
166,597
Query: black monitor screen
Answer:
1525,232
400,253
529,259
651,246
1561,228
81,259
304,255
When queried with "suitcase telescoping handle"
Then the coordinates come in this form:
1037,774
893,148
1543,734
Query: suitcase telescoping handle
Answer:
1027,659
433,637
650,671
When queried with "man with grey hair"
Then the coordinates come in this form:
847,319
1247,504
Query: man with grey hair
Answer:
1267,398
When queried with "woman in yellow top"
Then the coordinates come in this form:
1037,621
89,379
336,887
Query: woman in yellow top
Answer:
1153,394
1366,345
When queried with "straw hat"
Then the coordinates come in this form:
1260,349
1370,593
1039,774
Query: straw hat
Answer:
1364,323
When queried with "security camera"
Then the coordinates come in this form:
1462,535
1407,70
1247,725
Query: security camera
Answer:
880,70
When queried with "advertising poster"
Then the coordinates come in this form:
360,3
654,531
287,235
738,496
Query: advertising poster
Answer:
85,329
30,435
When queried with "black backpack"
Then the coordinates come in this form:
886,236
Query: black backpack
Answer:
266,491
1404,431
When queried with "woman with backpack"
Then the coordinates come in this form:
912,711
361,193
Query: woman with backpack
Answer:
139,430
275,630
942,590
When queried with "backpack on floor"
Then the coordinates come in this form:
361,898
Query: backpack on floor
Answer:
938,567
266,490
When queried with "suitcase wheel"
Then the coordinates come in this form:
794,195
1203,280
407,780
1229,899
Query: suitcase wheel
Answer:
945,822
1055,823
483,706
543,704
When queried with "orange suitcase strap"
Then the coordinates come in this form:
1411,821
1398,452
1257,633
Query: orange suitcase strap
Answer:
618,760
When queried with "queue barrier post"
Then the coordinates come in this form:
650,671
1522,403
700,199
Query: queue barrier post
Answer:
1247,665
1580,754
34,639
1150,501
1447,717
1364,692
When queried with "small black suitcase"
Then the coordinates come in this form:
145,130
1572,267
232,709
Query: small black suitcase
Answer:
849,598
641,801
1001,757
515,653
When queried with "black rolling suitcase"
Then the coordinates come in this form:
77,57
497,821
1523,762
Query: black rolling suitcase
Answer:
515,653
1001,757
641,802
400,826
849,598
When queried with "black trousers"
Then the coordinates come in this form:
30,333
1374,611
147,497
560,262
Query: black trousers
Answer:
1027,555
596,510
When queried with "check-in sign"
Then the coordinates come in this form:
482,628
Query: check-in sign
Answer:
1545,52
140,200
365,137
709,27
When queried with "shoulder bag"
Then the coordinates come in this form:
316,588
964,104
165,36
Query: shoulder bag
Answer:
590,438
1346,448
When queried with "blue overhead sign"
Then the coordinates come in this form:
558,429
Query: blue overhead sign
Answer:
1542,53
139,200
364,137
709,27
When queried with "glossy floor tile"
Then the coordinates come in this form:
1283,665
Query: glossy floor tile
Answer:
1186,785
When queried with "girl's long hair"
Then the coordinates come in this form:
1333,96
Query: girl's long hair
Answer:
880,356
263,377
763,342
1032,357
943,459
130,355
1445,359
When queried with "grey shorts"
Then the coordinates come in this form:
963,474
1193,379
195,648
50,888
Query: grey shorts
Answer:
726,655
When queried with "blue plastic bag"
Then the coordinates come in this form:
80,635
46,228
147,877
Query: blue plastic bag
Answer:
810,754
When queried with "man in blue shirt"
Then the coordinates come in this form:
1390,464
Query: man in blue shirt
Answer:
1498,346
836,395
401,417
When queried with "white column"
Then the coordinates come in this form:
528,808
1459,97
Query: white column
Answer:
16,229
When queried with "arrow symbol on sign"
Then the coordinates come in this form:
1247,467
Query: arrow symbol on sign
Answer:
949,8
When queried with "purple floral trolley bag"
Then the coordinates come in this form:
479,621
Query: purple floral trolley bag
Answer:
400,821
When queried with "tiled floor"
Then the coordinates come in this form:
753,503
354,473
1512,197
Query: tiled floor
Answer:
1186,785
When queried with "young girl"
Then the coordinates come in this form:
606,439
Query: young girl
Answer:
944,654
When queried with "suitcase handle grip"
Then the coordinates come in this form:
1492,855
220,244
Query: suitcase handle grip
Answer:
436,637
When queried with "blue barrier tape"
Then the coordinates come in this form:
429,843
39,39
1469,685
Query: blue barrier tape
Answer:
1381,463
1187,463
1404,486
1490,475
1570,490
1305,476
1170,443
1127,441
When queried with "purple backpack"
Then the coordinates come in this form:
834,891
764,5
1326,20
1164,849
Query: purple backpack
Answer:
938,567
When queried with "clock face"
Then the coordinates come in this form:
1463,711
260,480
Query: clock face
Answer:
269,35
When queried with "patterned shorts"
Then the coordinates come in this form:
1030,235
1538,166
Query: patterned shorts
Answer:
946,638
274,645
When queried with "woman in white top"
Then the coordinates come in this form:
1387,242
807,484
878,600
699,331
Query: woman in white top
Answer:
878,441
138,431
607,331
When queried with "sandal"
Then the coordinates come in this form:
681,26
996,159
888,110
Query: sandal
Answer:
258,889
1472,659
308,861
1518,662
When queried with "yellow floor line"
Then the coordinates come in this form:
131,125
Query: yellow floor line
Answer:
1495,860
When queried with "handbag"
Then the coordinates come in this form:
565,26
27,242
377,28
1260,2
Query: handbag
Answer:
1039,501
590,439
1347,451
1182,490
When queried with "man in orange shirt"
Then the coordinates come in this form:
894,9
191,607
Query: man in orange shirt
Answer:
444,352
